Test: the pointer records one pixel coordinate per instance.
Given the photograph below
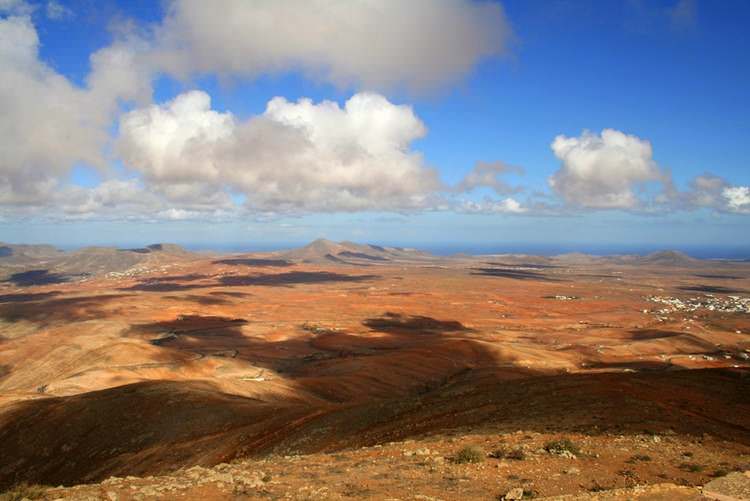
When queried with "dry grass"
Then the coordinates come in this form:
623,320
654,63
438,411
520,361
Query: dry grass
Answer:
471,454
24,491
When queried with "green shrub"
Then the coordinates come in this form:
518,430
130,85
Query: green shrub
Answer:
561,447
691,467
471,454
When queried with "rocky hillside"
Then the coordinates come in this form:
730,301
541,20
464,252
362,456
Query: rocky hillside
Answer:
26,265
467,440
521,465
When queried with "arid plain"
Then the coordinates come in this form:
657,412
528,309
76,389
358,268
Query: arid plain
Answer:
366,371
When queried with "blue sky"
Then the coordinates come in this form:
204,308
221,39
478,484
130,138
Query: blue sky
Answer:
670,79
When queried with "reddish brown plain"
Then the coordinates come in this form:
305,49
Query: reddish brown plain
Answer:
199,360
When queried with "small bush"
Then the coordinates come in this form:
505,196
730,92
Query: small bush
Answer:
471,454
561,447
23,491
502,453
517,454
721,472
639,458
691,467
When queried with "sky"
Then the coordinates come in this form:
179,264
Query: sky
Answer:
539,125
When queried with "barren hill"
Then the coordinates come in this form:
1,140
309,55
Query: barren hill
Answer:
19,254
608,419
326,251
42,264
669,258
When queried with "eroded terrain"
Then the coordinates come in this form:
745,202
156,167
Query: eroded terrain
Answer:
293,360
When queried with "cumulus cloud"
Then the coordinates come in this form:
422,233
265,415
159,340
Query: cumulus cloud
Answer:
603,171
738,198
191,161
113,195
359,155
704,191
296,156
49,124
121,199
373,44
613,170
488,174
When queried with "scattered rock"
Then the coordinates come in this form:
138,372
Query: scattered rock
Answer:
514,494
735,486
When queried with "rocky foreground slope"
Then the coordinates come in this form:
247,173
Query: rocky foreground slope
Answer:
513,466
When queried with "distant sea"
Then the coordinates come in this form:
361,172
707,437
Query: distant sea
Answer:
701,252
447,249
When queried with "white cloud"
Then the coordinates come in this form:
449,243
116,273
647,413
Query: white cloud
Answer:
57,11
118,73
48,124
109,196
612,171
195,162
295,157
118,199
602,171
15,7
173,143
738,198
372,44
488,174
705,191
489,206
